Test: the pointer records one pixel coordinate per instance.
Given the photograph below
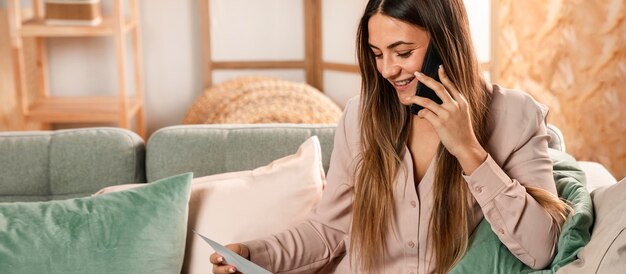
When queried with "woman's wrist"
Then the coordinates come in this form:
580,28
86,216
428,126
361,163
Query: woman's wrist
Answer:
245,251
472,158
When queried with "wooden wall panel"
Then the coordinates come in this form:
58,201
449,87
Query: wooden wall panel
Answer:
570,55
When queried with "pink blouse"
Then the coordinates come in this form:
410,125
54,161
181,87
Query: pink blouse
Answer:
518,157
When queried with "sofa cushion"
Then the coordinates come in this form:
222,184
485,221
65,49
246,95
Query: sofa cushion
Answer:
245,205
213,149
134,231
48,165
605,252
486,254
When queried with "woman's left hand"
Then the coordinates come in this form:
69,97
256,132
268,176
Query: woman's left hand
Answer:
451,120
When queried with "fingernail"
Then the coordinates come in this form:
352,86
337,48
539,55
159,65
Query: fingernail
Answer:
220,259
418,74
232,270
407,98
441,67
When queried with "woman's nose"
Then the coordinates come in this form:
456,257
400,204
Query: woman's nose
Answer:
389,68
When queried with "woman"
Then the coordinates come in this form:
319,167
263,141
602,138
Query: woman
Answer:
404,192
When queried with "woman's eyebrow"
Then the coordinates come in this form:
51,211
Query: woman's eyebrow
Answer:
393,45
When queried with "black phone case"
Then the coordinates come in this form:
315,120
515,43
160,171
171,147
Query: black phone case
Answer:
430,67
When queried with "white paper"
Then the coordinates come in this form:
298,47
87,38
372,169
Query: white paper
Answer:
232,258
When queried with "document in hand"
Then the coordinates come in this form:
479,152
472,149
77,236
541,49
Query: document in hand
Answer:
232,258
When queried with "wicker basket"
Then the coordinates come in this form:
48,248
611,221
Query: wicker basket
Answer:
249,100
73,12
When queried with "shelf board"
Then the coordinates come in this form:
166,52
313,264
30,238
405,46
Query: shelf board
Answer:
80,109
39,28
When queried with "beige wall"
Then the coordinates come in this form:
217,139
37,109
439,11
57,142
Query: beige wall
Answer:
570,55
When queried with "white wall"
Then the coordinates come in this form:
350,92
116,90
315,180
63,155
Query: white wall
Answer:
171,62
242,30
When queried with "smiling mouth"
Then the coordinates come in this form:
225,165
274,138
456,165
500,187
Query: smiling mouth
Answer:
403,82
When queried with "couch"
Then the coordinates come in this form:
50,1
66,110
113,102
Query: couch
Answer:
58,165
51,165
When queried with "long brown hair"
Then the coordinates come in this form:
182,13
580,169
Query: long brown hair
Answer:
384,132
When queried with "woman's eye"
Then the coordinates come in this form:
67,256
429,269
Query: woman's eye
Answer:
378,56
405,54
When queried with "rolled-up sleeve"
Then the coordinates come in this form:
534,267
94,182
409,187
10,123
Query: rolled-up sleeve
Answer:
314,243
520,222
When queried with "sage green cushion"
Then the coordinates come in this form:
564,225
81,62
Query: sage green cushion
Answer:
140,230
486,254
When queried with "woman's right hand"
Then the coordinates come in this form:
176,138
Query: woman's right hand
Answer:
219,263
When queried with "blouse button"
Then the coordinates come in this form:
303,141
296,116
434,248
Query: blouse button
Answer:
413,204
479,189
411,244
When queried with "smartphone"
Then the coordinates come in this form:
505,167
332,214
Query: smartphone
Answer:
429,67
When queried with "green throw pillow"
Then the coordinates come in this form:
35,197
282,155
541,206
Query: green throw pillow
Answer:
140,230
486,254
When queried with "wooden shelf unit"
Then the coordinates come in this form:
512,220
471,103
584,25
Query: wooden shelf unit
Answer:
47,109
72,109
37,28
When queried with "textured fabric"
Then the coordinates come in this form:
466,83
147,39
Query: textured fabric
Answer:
214,149
270,199
252,99
605,252
203,107
518,149
486,254
24,166
570,183
135,231
44,165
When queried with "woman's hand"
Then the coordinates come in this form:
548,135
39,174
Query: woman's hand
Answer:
451,120
221,266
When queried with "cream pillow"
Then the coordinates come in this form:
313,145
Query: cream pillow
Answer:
245,205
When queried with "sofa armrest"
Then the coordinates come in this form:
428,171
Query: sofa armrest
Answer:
597,175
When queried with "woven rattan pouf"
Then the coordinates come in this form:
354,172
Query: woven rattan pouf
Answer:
249,100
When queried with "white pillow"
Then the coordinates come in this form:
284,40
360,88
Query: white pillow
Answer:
245,205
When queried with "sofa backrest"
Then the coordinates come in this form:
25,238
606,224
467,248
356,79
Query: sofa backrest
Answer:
50,165
212,149
217,148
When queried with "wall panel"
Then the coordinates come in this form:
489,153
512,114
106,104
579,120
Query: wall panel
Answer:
570,55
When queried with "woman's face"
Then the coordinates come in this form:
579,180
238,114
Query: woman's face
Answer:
399,49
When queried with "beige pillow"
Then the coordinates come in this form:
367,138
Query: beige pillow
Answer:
606,252
245,205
